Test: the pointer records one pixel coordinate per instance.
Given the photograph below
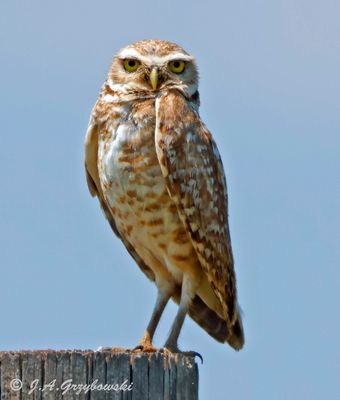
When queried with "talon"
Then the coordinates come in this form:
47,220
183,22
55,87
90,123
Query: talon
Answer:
195,354
175,350
146,348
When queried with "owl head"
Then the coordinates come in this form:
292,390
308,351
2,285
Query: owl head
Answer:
152,66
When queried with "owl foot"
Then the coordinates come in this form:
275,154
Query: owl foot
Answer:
171,350
146,345
146,348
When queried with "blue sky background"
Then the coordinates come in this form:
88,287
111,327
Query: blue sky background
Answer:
270,84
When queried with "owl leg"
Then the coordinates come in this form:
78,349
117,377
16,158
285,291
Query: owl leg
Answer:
188,293
145,343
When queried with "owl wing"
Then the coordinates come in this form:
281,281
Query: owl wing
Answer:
192,167
93,181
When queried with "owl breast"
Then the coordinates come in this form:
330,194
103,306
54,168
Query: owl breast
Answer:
135,191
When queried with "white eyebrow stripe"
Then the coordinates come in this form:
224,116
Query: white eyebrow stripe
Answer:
178,56
153,59
126,53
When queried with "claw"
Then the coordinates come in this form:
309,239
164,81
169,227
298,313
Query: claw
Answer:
196,354
171,351
192,354
147,348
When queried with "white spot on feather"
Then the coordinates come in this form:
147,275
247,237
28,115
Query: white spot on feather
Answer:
193,226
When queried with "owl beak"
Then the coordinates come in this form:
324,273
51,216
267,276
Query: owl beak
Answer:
154,78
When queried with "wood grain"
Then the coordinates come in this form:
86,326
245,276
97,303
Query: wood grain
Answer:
121,375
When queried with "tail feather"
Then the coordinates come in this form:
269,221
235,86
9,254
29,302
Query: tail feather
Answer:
236,339
208,320
215,326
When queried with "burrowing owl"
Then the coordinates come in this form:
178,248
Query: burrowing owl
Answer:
158,175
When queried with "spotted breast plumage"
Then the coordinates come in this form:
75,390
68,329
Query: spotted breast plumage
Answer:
159,178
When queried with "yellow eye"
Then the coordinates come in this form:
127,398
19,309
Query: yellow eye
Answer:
131,64
177,66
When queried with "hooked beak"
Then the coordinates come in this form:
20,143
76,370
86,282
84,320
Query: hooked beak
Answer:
154,78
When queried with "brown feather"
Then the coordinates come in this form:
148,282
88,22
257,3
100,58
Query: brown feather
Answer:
91,167
195,179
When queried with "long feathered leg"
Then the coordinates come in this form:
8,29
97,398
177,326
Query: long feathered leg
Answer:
145,343
187,295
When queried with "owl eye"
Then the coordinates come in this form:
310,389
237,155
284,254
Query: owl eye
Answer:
177,66
131,65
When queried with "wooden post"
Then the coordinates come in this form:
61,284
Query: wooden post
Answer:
88,375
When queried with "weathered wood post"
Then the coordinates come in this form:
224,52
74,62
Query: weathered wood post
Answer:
88,375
